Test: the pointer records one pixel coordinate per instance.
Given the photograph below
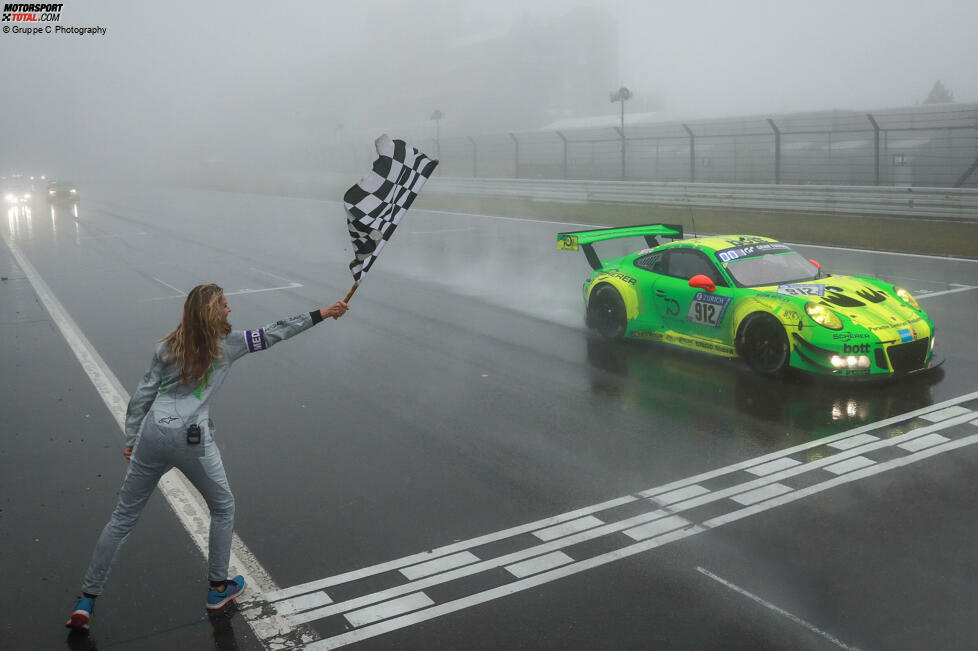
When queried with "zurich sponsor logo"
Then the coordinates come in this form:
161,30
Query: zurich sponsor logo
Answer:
906,334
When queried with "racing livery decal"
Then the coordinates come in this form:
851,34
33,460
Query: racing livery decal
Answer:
802,290
748,251
708,309
672,305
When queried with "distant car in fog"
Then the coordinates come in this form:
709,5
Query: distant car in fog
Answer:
16,190
62,191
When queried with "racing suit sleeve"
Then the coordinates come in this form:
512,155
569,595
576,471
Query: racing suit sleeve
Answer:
142,399
241,342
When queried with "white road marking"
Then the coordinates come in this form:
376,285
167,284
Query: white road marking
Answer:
773,466
618,554
439,565
853,441
868,471
234,293
760,494
186,502
798,620
924,442
943,414
617,526
389,609
441,551
855,463
539,564
658,527
664,491
960,288
679,495
926,256
304,602
264,289
442,230
566,529
166,284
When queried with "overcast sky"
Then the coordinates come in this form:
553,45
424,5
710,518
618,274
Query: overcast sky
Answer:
189,81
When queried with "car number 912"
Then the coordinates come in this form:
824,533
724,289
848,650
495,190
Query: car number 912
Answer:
802,290
704,313
708,309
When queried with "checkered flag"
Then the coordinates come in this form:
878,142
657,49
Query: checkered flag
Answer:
376,204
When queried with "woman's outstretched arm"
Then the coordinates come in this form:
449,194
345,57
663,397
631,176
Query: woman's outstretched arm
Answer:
241,342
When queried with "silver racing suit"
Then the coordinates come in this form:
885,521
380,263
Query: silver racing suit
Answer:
160,411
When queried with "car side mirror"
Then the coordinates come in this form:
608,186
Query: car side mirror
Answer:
702,281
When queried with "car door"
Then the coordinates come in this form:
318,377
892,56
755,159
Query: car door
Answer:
689,310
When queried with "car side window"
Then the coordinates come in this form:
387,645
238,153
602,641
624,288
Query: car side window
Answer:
653,262
686,263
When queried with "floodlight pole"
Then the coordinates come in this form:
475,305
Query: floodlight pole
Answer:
621,95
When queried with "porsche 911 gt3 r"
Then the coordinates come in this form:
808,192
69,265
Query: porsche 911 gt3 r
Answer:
752,297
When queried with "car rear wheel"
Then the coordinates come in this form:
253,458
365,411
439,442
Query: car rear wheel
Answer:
606,312
764,344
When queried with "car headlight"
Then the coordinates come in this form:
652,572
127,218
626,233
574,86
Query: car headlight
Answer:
906,297
73,190
51,192
823,316
27,196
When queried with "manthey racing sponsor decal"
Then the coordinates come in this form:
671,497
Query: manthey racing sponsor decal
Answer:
708,309
616,274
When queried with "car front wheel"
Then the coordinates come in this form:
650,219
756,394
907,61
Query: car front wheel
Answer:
764,345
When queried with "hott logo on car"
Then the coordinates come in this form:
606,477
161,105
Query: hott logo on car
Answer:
27,13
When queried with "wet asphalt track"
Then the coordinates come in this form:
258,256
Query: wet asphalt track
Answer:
460,397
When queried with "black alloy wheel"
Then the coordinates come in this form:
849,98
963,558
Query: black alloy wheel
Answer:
765,345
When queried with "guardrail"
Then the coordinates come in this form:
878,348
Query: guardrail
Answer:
949,203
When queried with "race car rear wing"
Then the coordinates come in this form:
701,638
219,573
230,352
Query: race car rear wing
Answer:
585,239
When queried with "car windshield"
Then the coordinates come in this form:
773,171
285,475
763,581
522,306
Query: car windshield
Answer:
775,268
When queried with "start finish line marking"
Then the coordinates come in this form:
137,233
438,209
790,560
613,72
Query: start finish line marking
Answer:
741,490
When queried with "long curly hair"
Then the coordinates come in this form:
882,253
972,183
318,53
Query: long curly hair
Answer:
204,324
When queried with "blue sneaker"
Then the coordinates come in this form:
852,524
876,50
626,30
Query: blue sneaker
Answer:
217,599
83,614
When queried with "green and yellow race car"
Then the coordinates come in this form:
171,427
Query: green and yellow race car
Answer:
755,298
